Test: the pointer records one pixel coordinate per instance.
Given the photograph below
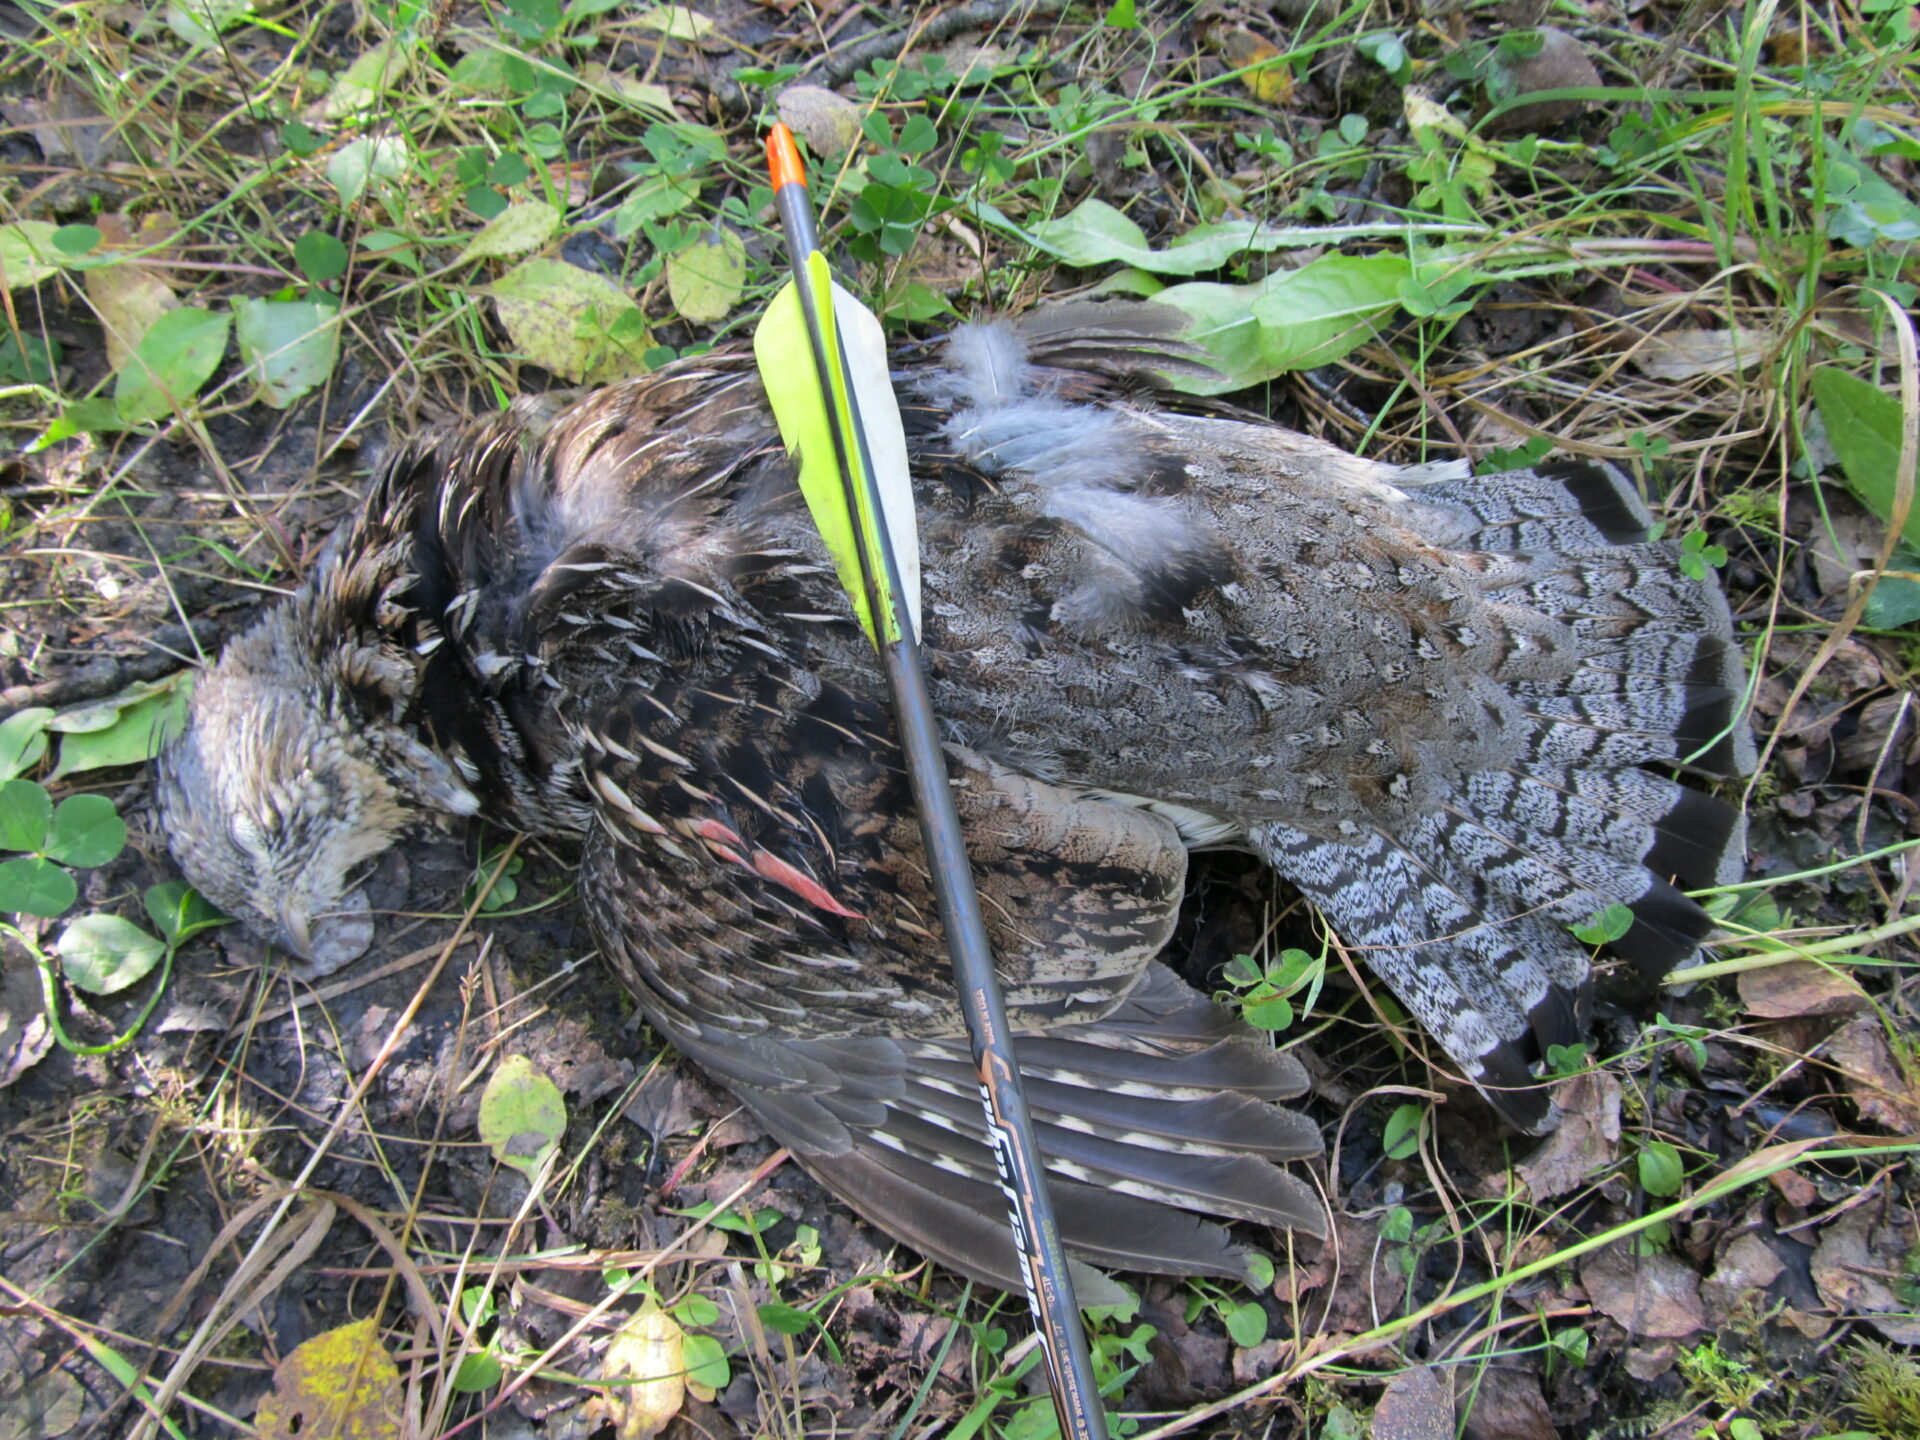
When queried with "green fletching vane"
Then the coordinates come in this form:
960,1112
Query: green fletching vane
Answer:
818,428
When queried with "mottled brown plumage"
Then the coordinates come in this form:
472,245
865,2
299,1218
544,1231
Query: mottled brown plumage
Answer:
1428,700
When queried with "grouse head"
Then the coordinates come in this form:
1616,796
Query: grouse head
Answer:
299,764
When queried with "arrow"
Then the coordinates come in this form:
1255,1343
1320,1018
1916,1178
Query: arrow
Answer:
823,359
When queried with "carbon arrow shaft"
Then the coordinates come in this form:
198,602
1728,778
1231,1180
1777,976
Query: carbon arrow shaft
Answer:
1016,1151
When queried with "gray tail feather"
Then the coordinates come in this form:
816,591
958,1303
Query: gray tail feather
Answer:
1466,915
1150,1119
961,1222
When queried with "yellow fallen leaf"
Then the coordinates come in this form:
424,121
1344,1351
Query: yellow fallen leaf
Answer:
338,1386
1272,83
645,1373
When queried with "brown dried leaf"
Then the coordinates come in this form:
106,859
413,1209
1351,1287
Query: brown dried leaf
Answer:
1681,354
1795,1189
1366,1283
577,1062
827,121
1561,64
1652,1295
1502,1404
1417,1405
1853,1253
1799,987
662,1104
128,295
1587,1141
50,1404
25,1036
1878,1087
1746,1269
69,130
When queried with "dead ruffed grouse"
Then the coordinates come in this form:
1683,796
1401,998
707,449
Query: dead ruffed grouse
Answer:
1428,700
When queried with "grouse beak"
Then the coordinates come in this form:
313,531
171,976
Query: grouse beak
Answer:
325,942
294,933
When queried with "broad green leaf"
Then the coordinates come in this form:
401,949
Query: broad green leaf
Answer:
378,69
1324,310
103,953
86,831
1402,1134
27,253
655,198
172,361
524,225
477,1372
23,740
706,278
361,163
696,1310
1607,926
917,300
1661,1170
522,1115
1895,601
1225,329
1863,426
1131,282
570,321
26,811
73,241
739,1222
1292,320
707,1370
1570,1342
1268,1011
1397,1227
289,346
94,414
179,911
342,1384
320,256
125,730
489,71
1246,1323
1094,233
785,1319
201,22
676,22
36,886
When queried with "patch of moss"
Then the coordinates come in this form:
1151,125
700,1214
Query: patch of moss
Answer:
1887,1391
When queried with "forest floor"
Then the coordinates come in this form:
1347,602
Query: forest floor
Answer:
242,247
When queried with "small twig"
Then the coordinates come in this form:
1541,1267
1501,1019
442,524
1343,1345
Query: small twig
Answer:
892,44
169,648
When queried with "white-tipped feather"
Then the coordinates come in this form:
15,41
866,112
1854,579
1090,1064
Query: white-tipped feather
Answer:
866,349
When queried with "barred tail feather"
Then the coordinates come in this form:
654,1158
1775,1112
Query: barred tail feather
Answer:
1148,1120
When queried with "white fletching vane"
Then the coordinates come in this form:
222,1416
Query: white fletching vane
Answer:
865,345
